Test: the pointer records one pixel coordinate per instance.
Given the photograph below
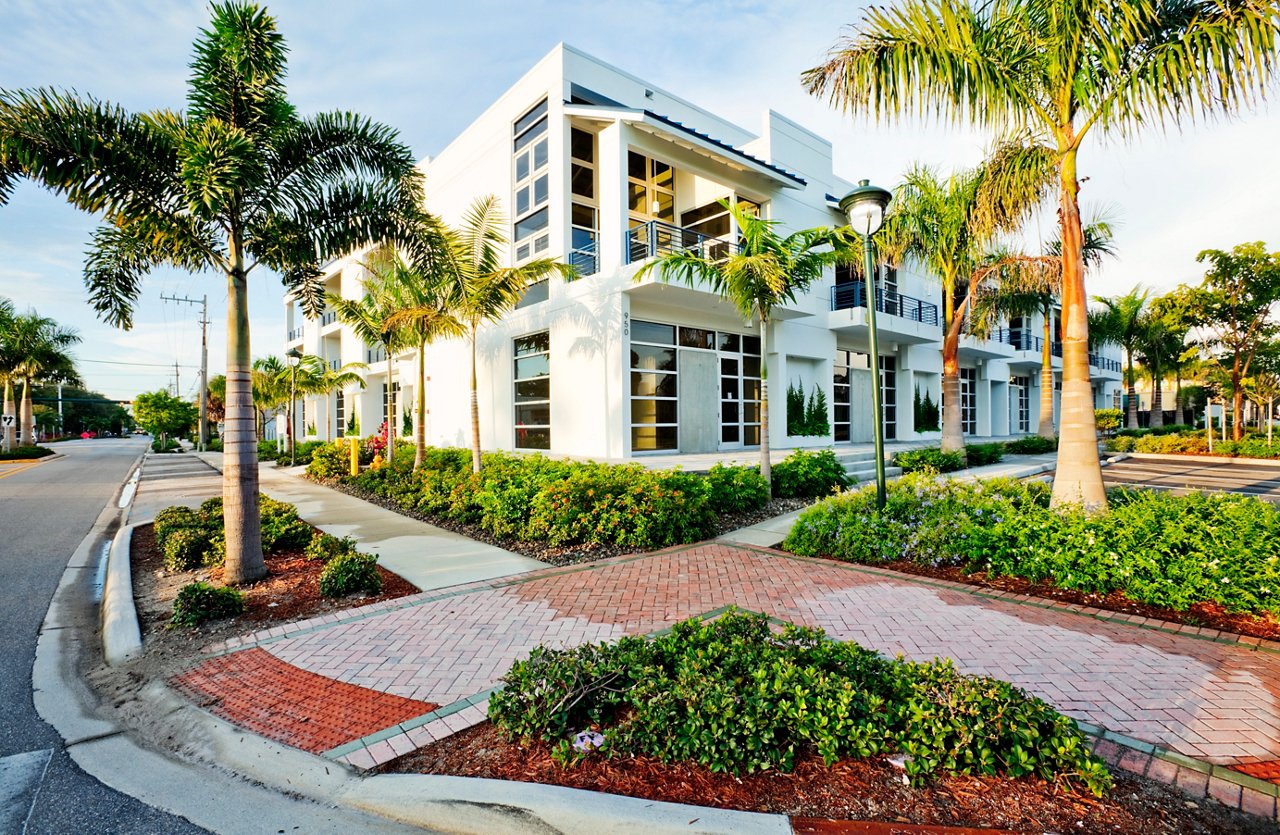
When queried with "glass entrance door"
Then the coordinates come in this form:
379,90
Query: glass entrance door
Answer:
739,390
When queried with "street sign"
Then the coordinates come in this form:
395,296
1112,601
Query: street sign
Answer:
8,420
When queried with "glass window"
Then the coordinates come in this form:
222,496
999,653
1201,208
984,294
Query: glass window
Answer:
533,366
522,167
729,342
540,190
582,181
527,390
532,410
663,174
645,410
534,223
652,438
538,343
697,338
750,366
522,201
534,114
582,238
637,166
636,198
652,358
583,216
540,154
582,145
751,345
645,384
653,332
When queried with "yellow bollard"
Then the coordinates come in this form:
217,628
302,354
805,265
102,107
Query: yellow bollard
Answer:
355,456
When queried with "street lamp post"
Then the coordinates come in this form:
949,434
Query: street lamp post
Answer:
864,206
294,356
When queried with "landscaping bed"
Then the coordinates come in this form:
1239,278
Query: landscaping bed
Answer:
25,453
1194,443
870,789
1203,559
565,512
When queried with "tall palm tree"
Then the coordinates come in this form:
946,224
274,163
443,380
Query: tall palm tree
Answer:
369,318
1122,321
322,378
485,289
270,381
237,181
427,300
765,272
950,226
1062,70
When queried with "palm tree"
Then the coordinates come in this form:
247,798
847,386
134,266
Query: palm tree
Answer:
323,378
484,289
270,382
1061,70
8,366
765,271
950,226
39,347
1122,321
370,319
426,300
237,181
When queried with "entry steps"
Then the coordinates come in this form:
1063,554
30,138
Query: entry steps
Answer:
861,464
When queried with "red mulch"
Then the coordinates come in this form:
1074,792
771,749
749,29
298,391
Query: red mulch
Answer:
1209,615
257,691
289,592
869,789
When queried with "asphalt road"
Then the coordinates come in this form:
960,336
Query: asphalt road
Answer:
45,512
1187,473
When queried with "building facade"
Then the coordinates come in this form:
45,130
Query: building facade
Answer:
605,171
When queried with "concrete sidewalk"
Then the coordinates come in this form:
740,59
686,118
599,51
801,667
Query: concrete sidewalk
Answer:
427,556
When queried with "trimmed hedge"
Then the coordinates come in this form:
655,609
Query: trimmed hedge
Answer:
1157,548
1195,443
23,453
199,602
735,696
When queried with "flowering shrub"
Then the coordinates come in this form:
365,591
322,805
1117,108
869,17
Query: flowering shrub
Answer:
1157,548
1195,443
735,696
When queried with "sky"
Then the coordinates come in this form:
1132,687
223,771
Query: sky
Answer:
429,68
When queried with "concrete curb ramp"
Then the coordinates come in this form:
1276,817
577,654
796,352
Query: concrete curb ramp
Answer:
121,635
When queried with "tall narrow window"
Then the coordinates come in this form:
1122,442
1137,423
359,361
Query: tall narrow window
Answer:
531,184
533,391
969,400
395,399
583,212
653,387
340,413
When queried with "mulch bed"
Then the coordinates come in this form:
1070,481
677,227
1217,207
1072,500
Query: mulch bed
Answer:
568,554
870,789
1209,615
290,591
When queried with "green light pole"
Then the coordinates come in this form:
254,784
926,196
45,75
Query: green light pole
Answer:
293,357
864,206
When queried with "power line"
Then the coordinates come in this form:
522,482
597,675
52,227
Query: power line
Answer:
139,364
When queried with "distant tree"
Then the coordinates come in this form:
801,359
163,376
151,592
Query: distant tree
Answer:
1236,306
1122,321
164,415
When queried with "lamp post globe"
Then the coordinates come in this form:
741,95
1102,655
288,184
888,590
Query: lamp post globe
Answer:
865,206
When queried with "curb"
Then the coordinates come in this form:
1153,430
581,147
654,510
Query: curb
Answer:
121,635
1208,459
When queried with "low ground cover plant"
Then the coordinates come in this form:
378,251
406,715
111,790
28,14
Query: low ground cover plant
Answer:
1031,445
929,458
975,455
200,602
535,498
20,453
325,547
1195,443
735,696
350,572
1159,549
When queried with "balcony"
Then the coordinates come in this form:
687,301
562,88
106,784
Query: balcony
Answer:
1105,364
328,317
586,260
294,335
372,355
854,294
657,238
335,364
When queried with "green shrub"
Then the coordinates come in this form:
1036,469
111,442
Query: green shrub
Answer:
1108,420
185,549
211,511
735,696
1157,548
1031,445
169,445
199,602
281,527
330,461
268,450
350,573
325,547
808,474
173,519
980,455
302,453
735,489
1120,443
21,453
929,459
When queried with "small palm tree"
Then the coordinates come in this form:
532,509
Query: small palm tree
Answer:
270,380
323,378
765,272
1063,71
237,181
484,289
369,318
40,348
1122,321
427,299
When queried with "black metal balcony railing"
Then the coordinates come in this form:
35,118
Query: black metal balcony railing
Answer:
296,333
1105,363
586,260
328,317
335,364
854,294
372,355
656,237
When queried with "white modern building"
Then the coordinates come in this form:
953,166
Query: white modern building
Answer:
604,170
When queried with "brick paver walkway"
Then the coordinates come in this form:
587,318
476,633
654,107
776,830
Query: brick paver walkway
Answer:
1217,702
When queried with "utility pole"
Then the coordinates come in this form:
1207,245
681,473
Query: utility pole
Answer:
204,365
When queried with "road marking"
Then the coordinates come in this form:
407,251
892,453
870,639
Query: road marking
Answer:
20,779
19,469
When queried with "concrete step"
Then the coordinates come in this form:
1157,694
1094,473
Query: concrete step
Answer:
868,474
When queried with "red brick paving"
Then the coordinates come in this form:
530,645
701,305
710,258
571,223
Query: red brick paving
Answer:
256,691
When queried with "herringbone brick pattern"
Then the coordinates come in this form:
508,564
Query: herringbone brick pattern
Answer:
1212,701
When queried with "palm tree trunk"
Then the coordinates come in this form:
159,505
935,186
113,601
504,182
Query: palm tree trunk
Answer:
475,409
1179,416
391,411
328,416
1046,379
1157,400
1237,403
1131,408
1271,410
28,415
1078,479
10,432
952,408
420,413
242,521
766,466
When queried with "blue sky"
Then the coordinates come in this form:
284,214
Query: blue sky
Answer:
429,68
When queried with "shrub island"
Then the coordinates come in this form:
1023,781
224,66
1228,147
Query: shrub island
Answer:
1200,559
24,453
1193,443
566,511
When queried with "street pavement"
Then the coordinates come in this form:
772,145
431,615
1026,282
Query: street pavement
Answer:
46,509
1182,474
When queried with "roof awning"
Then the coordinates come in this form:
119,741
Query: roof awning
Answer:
688,138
